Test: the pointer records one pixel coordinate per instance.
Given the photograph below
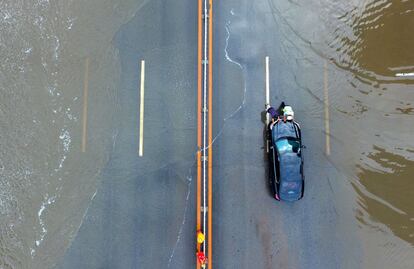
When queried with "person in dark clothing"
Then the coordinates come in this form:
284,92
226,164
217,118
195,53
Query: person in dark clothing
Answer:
275,113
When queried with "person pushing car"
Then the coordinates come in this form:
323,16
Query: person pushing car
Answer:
284,110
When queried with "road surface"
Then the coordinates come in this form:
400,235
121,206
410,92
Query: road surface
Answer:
143,212
252,230
143,215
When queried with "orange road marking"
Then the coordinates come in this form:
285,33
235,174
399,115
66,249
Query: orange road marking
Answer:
199,96
85,105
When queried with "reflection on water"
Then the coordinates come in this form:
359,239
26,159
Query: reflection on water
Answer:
376,40
389,177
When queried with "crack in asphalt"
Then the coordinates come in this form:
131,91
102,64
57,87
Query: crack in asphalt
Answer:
180,231
228,58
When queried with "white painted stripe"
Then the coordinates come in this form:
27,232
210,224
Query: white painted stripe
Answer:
204,157
267,89
404,75
141,112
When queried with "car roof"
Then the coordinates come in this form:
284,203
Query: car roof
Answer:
290,164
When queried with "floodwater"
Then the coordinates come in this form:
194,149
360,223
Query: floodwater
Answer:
360,49
46,182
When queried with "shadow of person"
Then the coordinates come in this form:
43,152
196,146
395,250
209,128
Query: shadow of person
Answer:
267,157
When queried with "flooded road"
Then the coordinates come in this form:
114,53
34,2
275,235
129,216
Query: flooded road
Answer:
363,47
46,182
346,67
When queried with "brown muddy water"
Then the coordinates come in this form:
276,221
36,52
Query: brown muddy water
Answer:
365,50
47,183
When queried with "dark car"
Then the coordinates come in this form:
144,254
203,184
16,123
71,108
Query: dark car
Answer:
286,161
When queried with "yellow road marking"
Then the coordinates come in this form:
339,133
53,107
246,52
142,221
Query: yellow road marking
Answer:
85,104
141,113
326,103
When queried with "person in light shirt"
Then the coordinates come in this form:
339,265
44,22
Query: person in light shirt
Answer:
287,111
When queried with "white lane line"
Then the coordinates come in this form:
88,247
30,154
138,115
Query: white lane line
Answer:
404,75
85,105
204,158
141,112
267,89
326,103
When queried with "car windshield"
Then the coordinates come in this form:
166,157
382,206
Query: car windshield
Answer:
287,145
285,129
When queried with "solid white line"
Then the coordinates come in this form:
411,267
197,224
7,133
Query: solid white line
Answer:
267,104
404,74
267,89
141,112
205,121
326,103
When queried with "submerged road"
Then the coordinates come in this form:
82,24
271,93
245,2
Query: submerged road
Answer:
143,215
251,229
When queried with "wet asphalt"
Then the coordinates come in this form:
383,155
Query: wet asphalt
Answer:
143,215
136,219
252,230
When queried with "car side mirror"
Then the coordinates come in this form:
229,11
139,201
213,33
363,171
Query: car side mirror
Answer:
303,147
